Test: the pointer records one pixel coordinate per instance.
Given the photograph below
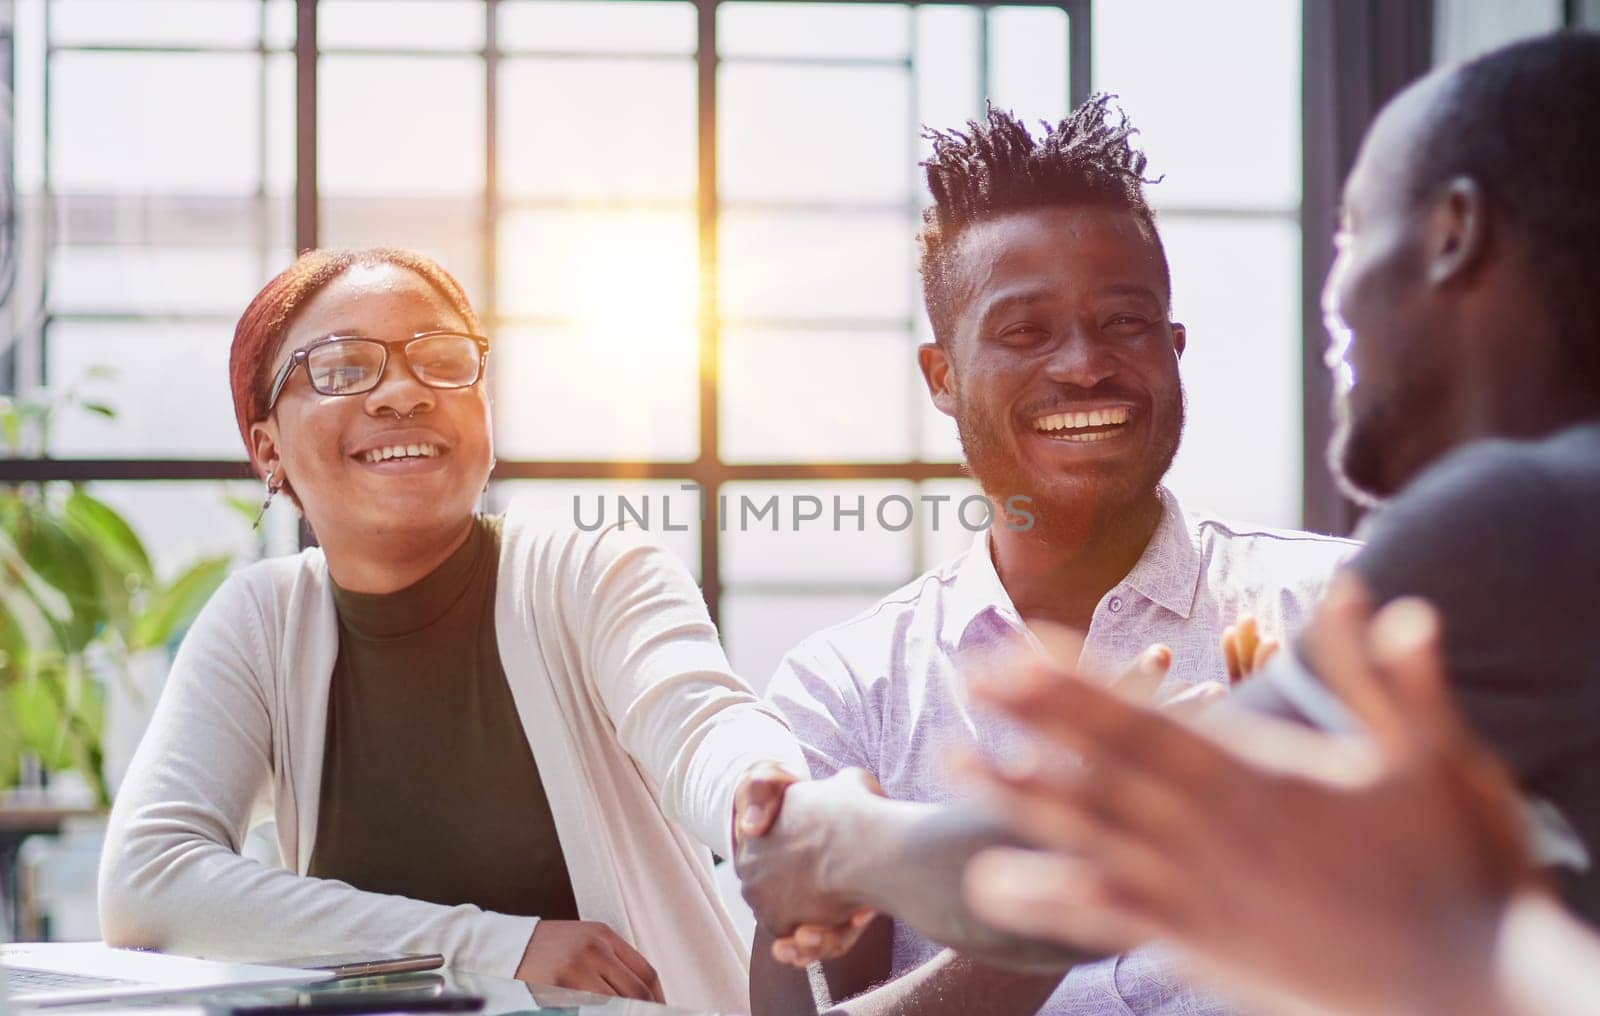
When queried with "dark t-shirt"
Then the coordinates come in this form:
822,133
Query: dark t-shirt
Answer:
429,787
1504,538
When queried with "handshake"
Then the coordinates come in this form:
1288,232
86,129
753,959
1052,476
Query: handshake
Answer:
818,859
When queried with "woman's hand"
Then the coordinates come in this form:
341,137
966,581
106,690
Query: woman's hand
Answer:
587,956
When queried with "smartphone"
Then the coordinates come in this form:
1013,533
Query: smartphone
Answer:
351,1003
366,964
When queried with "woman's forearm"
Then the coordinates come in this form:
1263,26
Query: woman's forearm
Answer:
180,892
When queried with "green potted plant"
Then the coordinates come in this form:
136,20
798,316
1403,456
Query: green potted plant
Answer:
79,600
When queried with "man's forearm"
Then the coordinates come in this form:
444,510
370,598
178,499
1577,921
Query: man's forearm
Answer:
953,984
906,859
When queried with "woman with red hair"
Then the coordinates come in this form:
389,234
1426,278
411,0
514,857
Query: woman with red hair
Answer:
475,735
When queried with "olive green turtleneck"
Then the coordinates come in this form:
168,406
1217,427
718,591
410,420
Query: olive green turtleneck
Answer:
429,787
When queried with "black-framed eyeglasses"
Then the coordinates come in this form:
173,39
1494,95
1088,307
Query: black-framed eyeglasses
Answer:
354,364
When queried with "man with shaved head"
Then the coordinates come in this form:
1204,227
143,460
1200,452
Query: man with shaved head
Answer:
1460,308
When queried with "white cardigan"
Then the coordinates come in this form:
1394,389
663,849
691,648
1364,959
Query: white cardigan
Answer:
635,719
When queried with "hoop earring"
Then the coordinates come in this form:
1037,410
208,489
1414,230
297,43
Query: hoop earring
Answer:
273,486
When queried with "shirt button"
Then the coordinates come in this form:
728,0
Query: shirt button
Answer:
1115,604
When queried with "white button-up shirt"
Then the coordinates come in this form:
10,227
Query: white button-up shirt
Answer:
884,692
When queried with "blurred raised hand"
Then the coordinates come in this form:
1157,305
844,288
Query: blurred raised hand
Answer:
1378,894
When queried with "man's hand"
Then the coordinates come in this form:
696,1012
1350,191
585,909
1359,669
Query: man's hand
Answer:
1381,895
840,850
1245,649
1143,681
587,956
757,804
791,874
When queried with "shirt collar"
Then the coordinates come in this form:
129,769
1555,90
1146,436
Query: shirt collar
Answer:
1167,574
977,594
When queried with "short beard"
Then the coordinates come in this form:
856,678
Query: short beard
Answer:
1355,458
1089,504
1373,454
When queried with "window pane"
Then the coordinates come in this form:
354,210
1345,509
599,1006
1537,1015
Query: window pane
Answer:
614,128
415,24
28,95
835,31
817,396
445,229
621,274
1028,62
1464,29
113,279
948,90
597,26
759,628
672,514
155,22
169,220
281,142
814,134
946,530
400,125
571,393
1237,287
115,126
834,547
817,265
939,440
187,362
282,24
1174,61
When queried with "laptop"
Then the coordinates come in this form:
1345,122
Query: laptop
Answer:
62,973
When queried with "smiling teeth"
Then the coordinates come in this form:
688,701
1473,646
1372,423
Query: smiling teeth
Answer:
408,451
1099,435
1074,421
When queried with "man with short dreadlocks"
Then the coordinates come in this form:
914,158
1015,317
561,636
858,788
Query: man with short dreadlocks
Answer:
1047,287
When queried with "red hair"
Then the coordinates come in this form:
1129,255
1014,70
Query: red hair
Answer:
262,325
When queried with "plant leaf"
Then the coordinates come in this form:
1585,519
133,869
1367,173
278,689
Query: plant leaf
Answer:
99,523
173,607
19,634
10,749
247,508
57,557
10,423
100,408
21,582
39,719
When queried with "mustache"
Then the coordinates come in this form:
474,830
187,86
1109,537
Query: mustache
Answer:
1071,396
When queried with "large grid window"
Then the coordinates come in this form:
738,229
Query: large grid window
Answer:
689,227
1215,91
